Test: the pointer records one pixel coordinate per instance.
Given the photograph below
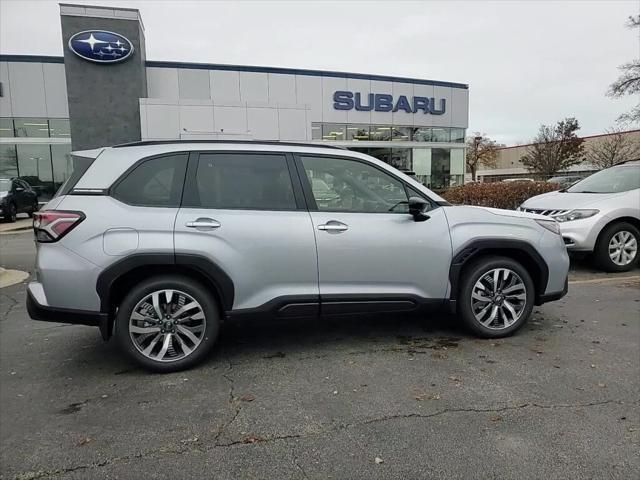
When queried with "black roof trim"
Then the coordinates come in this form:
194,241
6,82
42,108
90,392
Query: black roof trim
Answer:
258,69
144,143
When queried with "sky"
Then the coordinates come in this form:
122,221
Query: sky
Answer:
527,63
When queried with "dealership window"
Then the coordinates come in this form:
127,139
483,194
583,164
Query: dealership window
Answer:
335,132
422,134
31,127
358,133
6,127
62,163
401,134
34,166
8,161
440,135
457,135
59,127
316,131
243,181
381,133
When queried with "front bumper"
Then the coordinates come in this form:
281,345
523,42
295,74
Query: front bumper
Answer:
581,235
43,312
552,297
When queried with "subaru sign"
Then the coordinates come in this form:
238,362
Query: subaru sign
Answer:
381,102
100,46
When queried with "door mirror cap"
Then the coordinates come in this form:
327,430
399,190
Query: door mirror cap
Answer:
417,206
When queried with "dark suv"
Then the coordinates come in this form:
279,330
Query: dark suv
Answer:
16,196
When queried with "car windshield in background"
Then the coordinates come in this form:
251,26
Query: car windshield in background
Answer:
5,185
611,180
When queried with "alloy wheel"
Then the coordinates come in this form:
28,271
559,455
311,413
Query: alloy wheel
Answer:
623,248
498,298
167,325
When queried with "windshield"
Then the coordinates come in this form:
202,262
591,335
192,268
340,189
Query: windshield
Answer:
5,185
611,180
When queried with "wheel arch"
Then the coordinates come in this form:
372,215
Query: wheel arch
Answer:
518,250
625,219
115,281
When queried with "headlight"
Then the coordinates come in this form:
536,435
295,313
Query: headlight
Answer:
575,215
550,225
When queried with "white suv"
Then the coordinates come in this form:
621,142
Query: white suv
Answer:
600,214
158,242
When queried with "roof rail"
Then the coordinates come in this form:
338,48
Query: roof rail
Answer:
238,142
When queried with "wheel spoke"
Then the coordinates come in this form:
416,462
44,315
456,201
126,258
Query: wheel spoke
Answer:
147,351
496,276
512,311
185,308
140,330
165,346
492,317
479,297
155,299
187,333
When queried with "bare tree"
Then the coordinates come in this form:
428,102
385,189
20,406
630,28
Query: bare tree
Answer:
481,150
555,148
629,81
617,146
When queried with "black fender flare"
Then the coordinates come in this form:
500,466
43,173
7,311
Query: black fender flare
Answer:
476,248
204,266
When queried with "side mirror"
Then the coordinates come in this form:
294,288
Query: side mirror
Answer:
417,207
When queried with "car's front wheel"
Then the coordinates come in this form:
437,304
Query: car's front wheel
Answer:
167,323
496,296
617,248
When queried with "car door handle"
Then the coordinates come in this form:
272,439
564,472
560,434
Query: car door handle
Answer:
333,226
204,224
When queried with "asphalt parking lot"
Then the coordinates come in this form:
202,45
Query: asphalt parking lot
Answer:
385,397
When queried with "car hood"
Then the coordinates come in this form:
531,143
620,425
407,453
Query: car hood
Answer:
502,212
567,200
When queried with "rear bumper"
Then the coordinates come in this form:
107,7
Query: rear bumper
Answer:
46,313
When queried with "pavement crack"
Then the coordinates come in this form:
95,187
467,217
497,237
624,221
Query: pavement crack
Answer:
233,402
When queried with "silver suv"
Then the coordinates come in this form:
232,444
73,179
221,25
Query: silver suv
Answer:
599,215
157,243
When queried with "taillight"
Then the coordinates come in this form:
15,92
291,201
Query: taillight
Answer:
51,225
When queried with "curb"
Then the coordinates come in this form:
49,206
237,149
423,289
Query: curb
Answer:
11,277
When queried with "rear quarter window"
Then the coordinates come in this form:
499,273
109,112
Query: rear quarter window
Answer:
155,182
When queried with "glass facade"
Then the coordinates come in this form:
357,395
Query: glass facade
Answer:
385,133
45,166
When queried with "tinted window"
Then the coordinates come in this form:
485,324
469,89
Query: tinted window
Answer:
341,185
242,180
155,183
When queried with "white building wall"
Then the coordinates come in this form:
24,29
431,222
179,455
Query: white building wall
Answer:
230,90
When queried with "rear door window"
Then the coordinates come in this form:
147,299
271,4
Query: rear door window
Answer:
156,182
250,181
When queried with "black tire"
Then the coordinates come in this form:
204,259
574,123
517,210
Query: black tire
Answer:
601,252
171,282
34,208
10,213
476,270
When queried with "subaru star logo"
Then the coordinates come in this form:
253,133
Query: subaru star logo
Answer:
100,46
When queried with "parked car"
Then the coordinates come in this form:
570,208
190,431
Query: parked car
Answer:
599,215
157,242
511,180
16,196
565,180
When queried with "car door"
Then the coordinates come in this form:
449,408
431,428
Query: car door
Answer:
245,212
372,254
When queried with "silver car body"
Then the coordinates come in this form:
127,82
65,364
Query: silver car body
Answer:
582,234
272,254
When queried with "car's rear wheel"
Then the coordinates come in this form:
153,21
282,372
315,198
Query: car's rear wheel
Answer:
496,296
167,323
33,209
617,248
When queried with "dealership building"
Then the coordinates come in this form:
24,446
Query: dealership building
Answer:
104,91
